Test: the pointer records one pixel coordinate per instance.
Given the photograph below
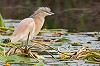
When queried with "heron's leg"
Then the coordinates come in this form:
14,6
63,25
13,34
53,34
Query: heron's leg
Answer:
27,39
22,44
26,47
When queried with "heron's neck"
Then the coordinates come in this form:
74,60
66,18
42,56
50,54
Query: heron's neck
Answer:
39,21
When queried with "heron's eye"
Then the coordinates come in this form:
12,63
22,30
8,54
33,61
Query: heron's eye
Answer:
45,11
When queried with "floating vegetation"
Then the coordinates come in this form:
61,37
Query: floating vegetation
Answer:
6,40
63,40
46,44
6,31
76,44
84,53
88,42
64,56
3,29
6,64
87,54
2,24
14,59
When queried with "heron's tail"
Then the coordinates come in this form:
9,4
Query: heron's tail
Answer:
14,39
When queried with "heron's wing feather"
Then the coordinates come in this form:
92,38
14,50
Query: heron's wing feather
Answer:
23,29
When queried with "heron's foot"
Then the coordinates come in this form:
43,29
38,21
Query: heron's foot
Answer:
30,54
12,51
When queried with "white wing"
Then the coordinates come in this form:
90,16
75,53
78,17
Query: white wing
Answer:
21,32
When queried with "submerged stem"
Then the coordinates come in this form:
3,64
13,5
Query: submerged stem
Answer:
30,53
49,47
44,50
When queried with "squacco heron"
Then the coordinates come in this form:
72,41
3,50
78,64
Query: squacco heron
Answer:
32,25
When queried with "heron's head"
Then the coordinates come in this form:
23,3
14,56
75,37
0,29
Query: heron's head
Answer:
44,10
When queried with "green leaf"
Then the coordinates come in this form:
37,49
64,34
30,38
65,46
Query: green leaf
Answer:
1,49
91,59
76,44
63,40
3,58
17,59
6,40
41,63
96,55
2,24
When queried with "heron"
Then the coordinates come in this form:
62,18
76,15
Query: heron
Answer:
31,25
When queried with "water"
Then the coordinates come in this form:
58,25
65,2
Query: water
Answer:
75,37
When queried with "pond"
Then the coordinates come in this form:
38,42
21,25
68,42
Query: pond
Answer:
81,38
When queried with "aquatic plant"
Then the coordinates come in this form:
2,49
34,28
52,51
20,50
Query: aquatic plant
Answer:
2,24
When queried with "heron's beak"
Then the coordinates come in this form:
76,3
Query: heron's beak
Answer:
51,13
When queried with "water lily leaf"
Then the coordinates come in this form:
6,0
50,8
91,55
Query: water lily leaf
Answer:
17,59
96,55
63,40
91,59
41,63
94,62
6,40
76,44
1,49
2,58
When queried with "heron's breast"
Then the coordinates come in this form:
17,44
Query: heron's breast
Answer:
38,25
